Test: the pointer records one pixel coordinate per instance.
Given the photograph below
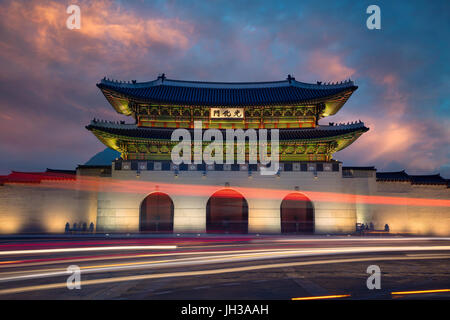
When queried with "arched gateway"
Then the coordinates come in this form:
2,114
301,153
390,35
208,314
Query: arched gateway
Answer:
156,213
294,107
227,212
297,214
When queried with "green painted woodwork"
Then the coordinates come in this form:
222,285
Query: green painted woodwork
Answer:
320,149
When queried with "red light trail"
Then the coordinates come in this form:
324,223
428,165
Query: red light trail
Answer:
190,190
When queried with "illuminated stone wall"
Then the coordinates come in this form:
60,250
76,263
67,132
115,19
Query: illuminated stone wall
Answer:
118,207
409,216
113,203
45,207
339,203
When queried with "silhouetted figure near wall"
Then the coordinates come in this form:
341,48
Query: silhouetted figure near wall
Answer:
91,227
386,227
360,227
67,228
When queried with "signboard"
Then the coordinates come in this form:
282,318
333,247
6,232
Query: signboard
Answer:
227,113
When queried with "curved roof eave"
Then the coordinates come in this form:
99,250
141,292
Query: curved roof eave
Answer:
139,133
225,94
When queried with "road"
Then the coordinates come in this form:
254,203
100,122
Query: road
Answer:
224,267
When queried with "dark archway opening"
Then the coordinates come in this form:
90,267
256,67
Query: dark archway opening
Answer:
156,213
297,214
227,212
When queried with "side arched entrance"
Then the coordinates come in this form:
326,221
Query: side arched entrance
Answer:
297,214
156,213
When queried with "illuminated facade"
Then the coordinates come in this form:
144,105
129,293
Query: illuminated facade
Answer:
160,106
144,191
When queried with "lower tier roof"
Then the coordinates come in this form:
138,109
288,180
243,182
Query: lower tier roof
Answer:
133,131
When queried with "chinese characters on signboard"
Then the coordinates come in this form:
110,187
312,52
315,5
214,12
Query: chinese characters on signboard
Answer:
227,113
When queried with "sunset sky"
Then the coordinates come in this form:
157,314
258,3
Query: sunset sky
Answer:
48,72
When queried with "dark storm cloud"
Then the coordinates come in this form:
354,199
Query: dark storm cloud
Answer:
49,73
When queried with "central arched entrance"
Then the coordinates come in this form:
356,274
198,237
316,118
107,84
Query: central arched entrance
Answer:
156,213
297,214
227,212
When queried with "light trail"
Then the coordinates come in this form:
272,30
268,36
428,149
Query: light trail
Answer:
205,272
66,250
361,239
127,241
34,262
323,297
419,292
226,259
11,262
95,258
143,187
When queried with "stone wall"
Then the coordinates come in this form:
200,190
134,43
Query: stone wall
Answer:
119,204
113,202
410,214
45,207
411,217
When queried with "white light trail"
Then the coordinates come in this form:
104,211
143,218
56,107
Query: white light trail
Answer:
65,250
225,258
206,272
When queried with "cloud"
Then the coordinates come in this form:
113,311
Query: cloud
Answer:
49,73
47,83
417,146
328,66
108,32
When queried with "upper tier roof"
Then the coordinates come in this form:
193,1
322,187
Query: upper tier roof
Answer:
167,92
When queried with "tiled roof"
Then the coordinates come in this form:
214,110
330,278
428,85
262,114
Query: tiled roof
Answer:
37,177
61,171
167,91
359,168
393,176
427,179
131,130
413,179
95,166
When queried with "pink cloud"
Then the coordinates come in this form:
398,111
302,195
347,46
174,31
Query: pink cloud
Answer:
394,101
415,144
105,30
328,66
49,73
395,134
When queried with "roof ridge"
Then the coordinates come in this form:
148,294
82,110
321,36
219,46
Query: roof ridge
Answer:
402,171
226,82
163,81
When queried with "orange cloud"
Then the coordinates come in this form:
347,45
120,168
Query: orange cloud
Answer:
388,139
328,66
395,135
106,28
395,139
